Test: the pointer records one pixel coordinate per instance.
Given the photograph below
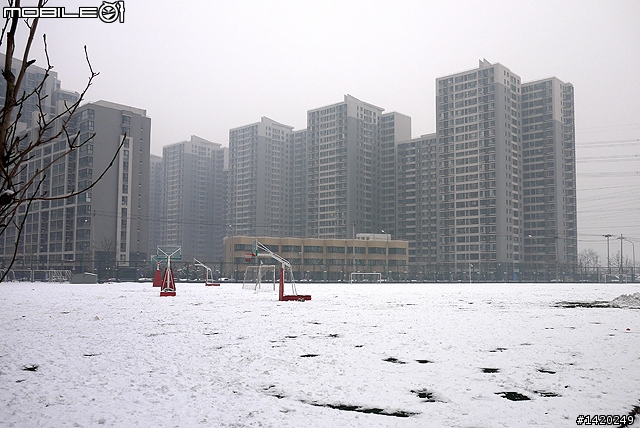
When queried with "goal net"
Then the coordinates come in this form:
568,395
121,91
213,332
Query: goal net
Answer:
607,277
260,277
369,277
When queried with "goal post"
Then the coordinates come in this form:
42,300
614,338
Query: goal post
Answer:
368,277
260,277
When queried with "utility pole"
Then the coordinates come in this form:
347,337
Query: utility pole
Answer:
620,268
608,254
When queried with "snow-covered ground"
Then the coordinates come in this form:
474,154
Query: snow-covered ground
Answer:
369,355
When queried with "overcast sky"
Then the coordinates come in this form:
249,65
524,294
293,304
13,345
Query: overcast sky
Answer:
203,67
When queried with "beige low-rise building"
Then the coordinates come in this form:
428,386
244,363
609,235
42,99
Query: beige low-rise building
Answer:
322,259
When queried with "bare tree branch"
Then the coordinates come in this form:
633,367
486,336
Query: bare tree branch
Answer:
25,173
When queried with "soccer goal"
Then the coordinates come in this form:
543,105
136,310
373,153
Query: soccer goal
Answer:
607,277
260,277
369,277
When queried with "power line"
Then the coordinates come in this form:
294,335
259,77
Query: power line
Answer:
609,143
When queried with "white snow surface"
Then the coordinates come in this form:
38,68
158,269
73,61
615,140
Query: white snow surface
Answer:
119,355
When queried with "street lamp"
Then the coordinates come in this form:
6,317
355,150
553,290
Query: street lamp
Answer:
470,269
633,269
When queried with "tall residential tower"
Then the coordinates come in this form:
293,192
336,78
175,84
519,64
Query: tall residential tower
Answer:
261,175
344,170
549,172
479,170
195,217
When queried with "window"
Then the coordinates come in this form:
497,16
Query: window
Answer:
397,251
312,249
88,114
87,149
86,126
126,120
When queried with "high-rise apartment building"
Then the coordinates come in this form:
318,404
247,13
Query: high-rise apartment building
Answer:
416,214
107,224
220,195
50,99
156,203
120,209
193,192
261,171
299,148
479,170
549,176
491,193
343,146
394,127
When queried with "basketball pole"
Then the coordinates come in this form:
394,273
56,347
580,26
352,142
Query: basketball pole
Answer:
281,289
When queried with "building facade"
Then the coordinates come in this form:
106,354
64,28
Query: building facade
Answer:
549,177
157,218
220,195
479,171
416,218
194,196
394,127
341,143
105,228
261,185
51,96
300,197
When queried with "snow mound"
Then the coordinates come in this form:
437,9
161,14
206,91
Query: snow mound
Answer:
631,301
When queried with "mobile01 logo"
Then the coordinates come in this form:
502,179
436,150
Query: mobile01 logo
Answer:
107,12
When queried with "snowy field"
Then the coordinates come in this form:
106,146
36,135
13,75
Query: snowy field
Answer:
366,355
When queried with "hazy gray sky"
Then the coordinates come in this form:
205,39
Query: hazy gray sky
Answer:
203,67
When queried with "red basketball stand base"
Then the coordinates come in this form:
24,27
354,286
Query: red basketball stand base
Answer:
157,277
211,284
168,284
289,297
